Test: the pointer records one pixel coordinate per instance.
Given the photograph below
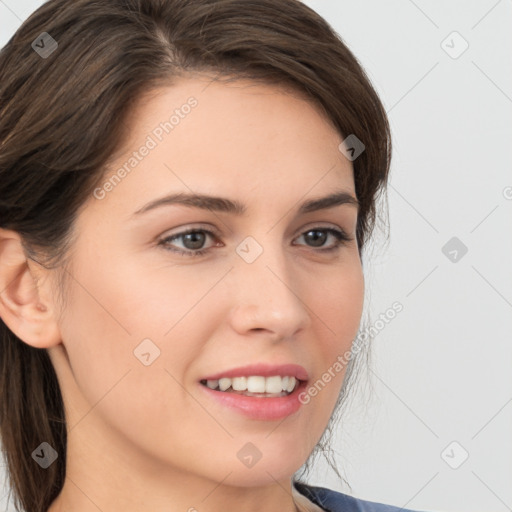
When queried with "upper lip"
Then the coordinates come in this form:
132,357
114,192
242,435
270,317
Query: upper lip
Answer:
263,370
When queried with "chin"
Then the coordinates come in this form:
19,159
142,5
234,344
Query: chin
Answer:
249,466
263,474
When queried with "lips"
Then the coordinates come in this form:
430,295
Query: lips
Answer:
262,392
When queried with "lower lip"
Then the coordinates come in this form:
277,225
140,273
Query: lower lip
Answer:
256,408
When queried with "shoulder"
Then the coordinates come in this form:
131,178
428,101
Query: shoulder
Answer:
333,501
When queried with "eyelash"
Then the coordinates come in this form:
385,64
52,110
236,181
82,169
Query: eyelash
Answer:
341,239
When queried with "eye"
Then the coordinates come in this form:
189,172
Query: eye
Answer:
318,235
194,239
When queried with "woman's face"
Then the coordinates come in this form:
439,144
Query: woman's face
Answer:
274,293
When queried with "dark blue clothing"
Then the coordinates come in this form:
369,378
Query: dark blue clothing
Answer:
333,501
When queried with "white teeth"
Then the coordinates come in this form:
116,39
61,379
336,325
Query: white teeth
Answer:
212,384
255,384
273,384
224,384
239,384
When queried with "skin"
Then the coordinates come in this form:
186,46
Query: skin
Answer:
147,437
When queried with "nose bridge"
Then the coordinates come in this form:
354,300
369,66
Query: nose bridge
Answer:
268,294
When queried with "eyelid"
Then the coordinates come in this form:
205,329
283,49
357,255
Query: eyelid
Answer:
321,225
180,230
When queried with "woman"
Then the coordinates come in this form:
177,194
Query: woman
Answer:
186,189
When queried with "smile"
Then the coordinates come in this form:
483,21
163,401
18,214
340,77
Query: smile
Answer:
255,385
259,391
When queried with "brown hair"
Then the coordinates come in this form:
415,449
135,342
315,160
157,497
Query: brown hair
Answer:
63,116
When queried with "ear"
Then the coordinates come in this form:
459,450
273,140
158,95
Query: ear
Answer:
26,304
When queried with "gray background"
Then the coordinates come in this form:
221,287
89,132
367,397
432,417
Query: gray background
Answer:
441,380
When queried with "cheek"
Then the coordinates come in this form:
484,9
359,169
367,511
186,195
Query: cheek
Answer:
338,308
116,313
339,305
96,338
101,327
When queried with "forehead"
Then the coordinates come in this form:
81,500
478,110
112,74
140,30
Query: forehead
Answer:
241,137
227,111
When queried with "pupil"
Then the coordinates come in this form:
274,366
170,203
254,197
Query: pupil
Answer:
196,239
317,240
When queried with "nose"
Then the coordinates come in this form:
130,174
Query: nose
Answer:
267,296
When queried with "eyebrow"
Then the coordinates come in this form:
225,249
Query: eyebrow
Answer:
222,204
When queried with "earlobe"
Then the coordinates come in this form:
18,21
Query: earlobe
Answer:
23,307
